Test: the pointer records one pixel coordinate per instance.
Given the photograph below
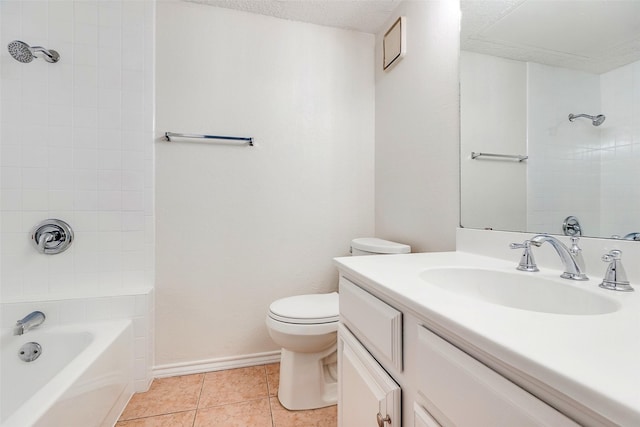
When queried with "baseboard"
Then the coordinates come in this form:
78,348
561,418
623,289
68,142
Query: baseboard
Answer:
199,366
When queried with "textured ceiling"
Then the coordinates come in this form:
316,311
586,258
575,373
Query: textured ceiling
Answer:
589,35
361,15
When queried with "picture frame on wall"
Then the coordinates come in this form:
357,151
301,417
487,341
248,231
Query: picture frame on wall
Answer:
394,46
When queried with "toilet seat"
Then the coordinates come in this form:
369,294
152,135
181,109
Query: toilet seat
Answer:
302,329
306,309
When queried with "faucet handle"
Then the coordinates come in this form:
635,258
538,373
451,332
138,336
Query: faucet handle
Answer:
574,245
527,262
615,278
613,255
576,251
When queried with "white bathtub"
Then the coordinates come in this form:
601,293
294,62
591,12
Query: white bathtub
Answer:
83,377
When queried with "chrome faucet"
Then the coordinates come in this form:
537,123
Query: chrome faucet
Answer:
615,278
31,320
571,258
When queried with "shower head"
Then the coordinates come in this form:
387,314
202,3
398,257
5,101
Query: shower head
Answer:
595,120
24,53
599,119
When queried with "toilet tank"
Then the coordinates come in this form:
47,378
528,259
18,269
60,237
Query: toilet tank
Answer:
375,246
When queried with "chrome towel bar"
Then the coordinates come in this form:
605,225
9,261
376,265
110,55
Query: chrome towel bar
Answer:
517,157
169,135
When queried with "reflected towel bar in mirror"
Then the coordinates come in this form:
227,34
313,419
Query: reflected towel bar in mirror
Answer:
169,135
517,157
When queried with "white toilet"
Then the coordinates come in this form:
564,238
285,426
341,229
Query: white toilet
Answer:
306,326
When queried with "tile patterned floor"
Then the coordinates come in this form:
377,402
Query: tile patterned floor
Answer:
244,397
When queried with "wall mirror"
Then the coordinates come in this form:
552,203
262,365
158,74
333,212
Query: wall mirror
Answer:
550,116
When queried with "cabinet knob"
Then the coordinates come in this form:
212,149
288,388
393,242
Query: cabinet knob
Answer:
383,421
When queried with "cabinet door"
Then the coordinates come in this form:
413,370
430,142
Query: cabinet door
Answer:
368,396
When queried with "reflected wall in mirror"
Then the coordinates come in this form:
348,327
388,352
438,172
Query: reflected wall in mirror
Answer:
525,66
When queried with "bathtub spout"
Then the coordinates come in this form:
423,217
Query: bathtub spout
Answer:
31,320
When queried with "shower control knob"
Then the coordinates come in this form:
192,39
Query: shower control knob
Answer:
52,236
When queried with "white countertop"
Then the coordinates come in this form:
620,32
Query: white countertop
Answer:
591,360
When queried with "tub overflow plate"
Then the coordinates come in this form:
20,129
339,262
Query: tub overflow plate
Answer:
30,352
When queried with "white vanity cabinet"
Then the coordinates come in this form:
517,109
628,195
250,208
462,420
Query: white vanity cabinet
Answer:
367,394
383,347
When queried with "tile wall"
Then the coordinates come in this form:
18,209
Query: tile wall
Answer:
580,169
563,170
620,150
76,143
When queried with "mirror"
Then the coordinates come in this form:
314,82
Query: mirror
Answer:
525,67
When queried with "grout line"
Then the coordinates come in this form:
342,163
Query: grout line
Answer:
266,377
235,402
198,401
154,416
273,421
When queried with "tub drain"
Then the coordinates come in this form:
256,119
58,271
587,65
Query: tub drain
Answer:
30,352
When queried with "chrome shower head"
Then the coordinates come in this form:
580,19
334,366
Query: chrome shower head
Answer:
24,53
598,120
595,120
20,51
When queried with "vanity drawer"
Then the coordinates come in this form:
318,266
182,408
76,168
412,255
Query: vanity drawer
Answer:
460,391
376,324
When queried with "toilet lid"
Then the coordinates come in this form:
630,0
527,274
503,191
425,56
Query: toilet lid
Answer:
306,309
379,246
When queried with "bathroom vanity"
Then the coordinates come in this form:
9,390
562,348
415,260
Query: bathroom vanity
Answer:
442,339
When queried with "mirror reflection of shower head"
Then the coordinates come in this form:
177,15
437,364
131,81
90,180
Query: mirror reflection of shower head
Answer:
24,53
595,120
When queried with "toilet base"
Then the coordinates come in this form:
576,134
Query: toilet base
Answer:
307,380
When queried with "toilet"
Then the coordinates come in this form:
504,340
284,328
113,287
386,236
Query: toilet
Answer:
306,326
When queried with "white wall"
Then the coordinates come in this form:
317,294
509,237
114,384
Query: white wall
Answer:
493,116
76,144
239,226
417,130
564,158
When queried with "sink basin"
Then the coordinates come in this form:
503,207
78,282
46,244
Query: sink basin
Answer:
524,291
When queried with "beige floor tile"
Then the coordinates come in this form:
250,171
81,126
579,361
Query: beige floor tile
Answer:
323,417
273,378
234,385
254,413
179,419
166,395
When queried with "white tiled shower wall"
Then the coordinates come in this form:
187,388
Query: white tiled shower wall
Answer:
563,170
578,168
574,168
77,144
620,149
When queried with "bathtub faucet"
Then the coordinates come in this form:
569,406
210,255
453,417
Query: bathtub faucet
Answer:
31,320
